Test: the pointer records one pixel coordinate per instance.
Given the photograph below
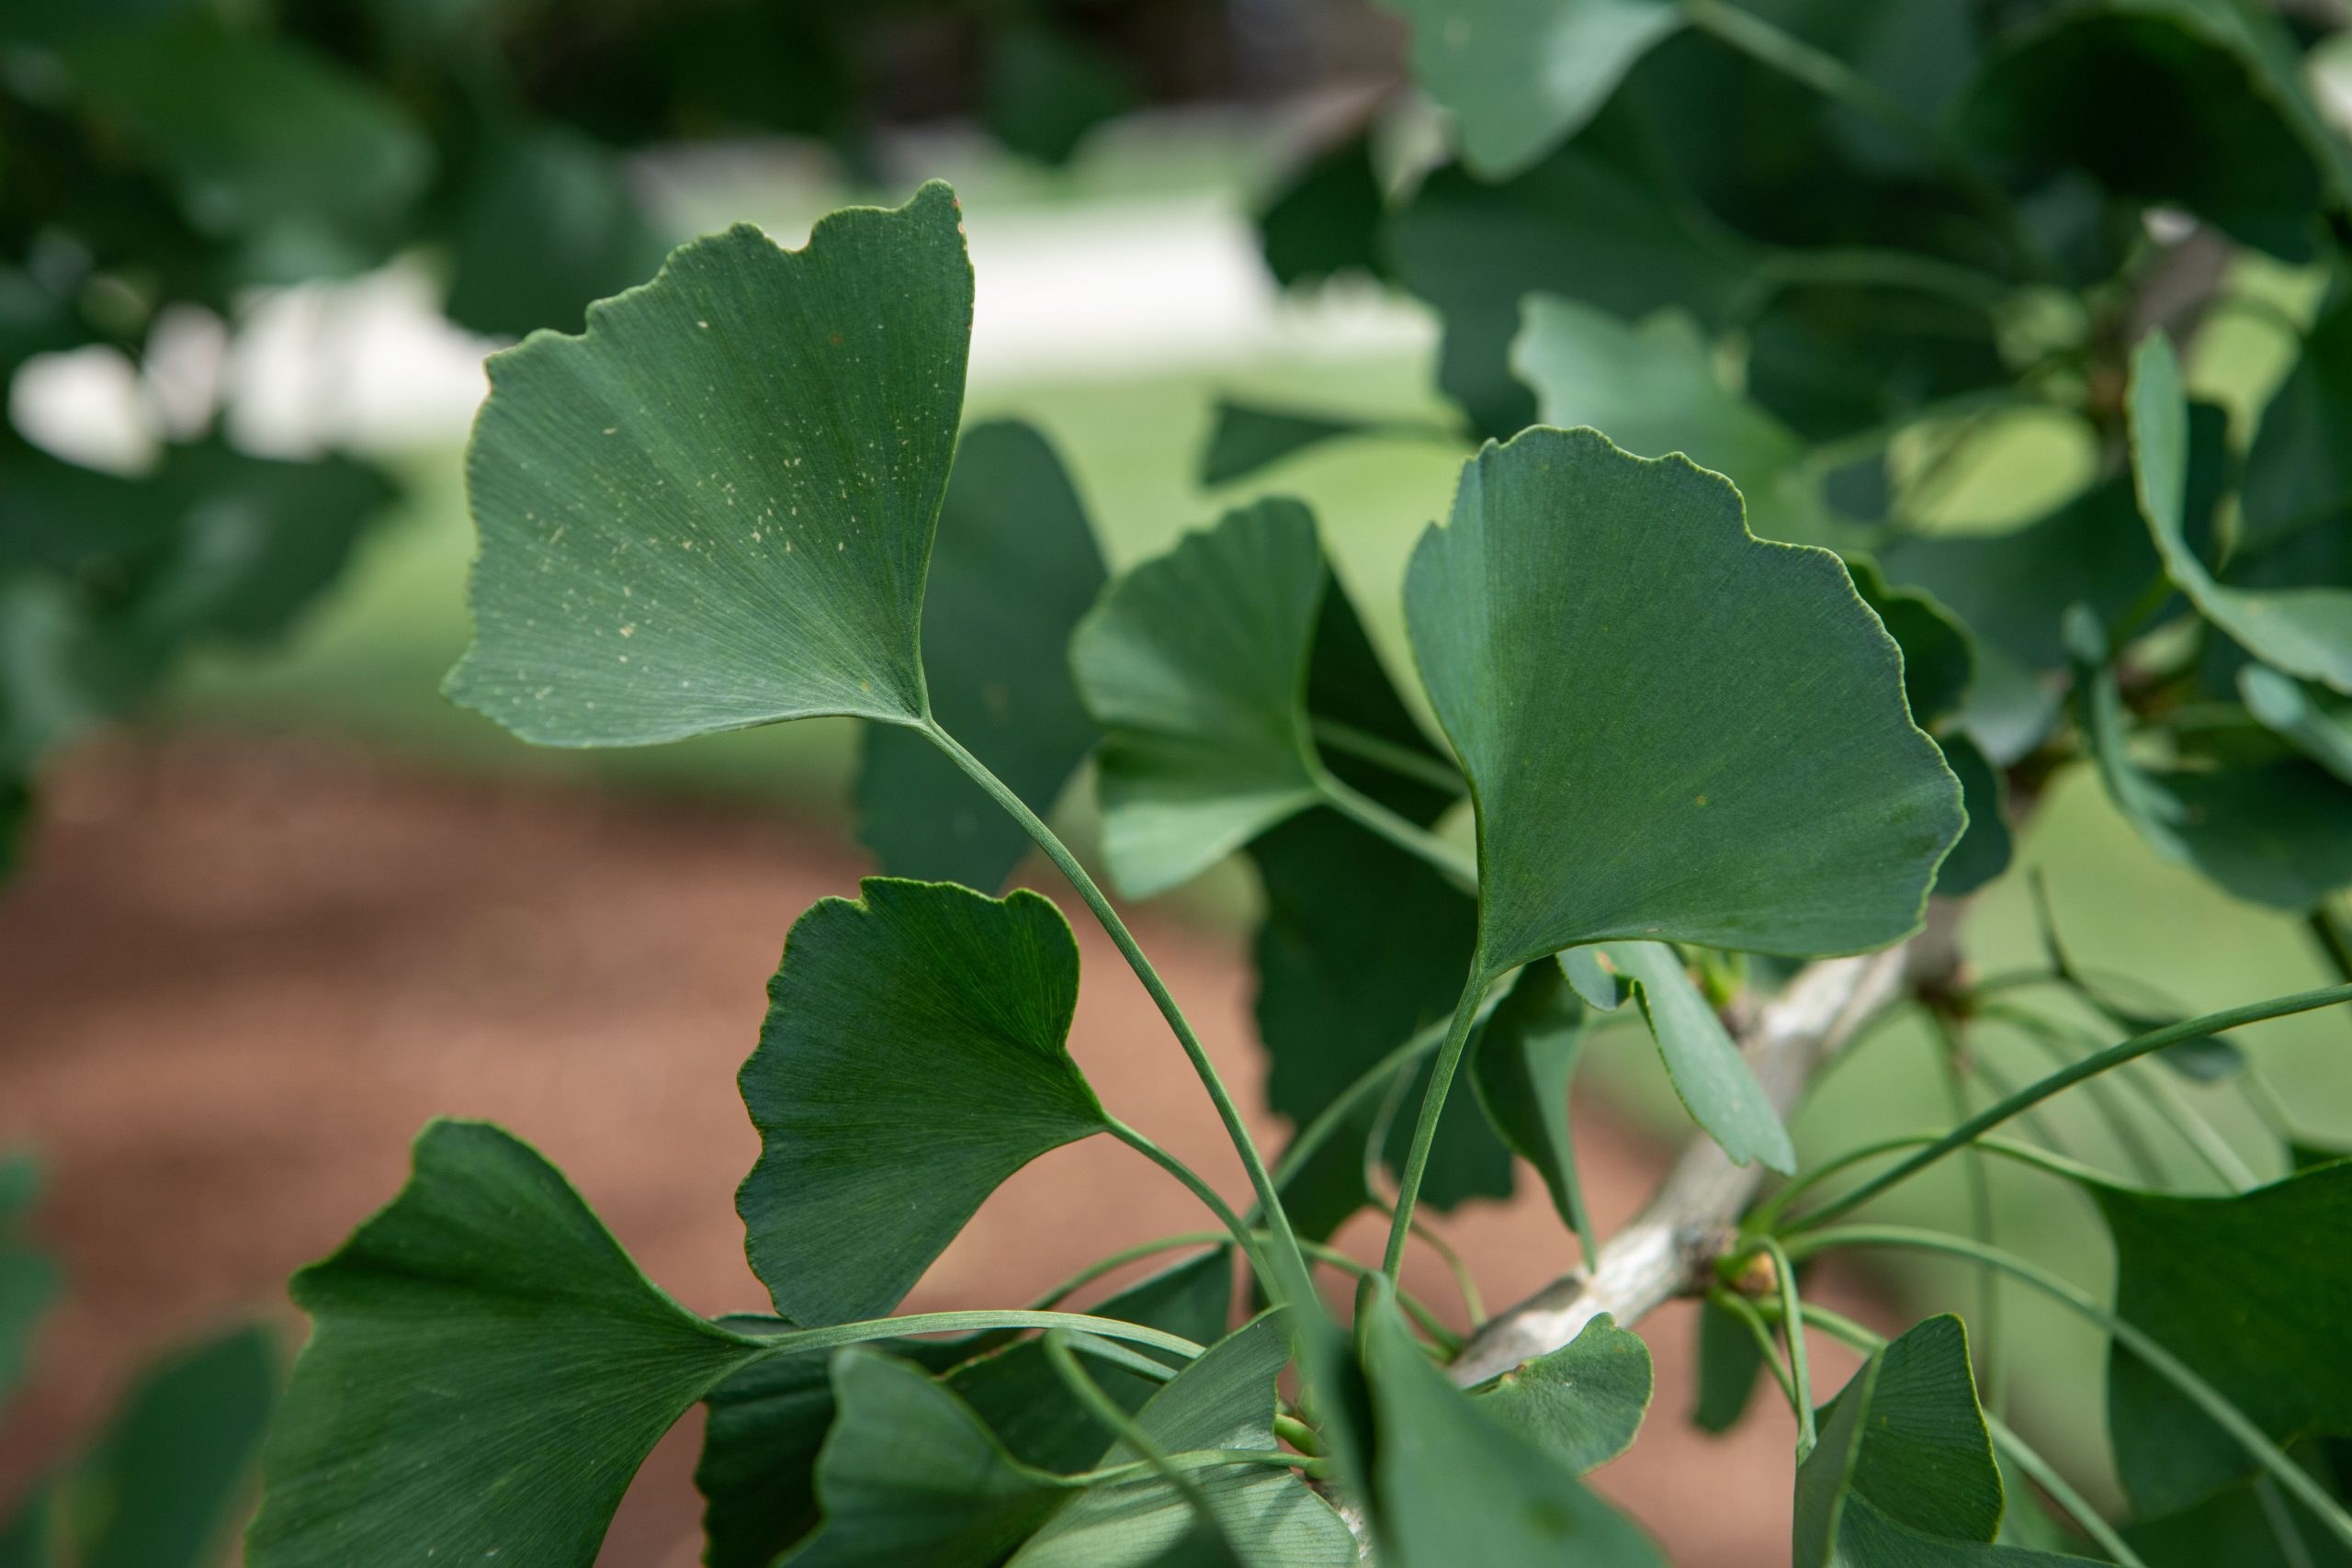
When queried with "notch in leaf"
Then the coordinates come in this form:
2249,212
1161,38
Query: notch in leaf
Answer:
1673,729
915,1055
714,509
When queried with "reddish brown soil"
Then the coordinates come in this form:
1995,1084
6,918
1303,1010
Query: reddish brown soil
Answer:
236,976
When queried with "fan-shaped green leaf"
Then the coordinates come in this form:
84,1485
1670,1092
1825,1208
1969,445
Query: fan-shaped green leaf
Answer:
2298,469
1652,387
1671,729
1584,1402
1730,1364
1939,661
1270,1517
714,509
909,1478
1327,218
1520,76
1195,665
1247,436
1014,568
1451,1485
1701,1058
2304,631
1904,1474
2237,1288
1985,850
914,1056
486,1370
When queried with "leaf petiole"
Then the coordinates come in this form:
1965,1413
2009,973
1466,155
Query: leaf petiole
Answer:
1402,761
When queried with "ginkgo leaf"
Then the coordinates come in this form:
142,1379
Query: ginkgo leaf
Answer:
915,1055
164,1483
1904,1475
714,509
439,1412
1985,849
2235,1289
1014,566
909,1478
1651,386
1583,1403
1452,1484
1518,77
2304,631
1619,663
1701,1058
1521,1066
1326,217
1939,661
1268,1517
1195,665
1249,436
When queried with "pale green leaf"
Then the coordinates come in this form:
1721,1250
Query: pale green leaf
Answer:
1195,665
1521,76
1701,1058
1651,387
1268,1517
2306,632
1014,566
1583,1403
486,1370
714,509
1673,729
915,1055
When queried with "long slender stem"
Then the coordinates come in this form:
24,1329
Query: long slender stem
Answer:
2089,1067
1414,839
2153,1089
1192,1458
2105,1101
1760,1330
1792,1330
1402,761
2204,1395
2037,1470
1269,1202
1193,1183
1332,1117
1978,1170
1417,1161
1768,1215
1121,1258
798,1340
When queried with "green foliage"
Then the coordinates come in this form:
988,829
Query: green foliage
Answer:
1583,1403
867,1173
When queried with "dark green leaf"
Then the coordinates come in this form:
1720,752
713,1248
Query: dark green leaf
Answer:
1012,568
486,1370
1325,220
1452,1486
1250,436
909,1478
2240,1527
2197,104
915,1055
1522,1063
756,1475
1651,387
1020,1397
1985,847
1730,1362
1937,661
26,1537
1195,665
2304,631
1518,78
259,140
1583,1403
168,1476
2237,1288
544,221
1580,225
2298,469
2286,708
1224,1400
1044,90
2278,834
1750,721
714,510
1701,1058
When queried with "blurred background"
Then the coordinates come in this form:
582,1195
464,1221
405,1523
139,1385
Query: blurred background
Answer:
275,902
